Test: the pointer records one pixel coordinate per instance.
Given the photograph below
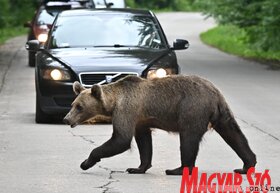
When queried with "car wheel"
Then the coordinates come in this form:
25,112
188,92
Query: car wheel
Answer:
31,59
41,117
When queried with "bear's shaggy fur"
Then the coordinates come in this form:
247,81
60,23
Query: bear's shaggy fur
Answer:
183,104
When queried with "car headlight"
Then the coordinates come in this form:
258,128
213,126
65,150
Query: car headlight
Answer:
56,74
42,37
158,73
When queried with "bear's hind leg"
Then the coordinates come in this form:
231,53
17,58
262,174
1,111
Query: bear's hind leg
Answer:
143,139
231,133
189,146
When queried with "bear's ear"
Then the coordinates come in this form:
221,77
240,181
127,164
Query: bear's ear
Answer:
96,91
77,88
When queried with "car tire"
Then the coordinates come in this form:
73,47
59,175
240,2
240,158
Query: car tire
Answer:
41,116
31,59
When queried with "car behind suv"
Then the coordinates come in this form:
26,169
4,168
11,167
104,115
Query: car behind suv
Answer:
44,17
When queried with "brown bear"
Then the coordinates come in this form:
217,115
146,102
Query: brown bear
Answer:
183,104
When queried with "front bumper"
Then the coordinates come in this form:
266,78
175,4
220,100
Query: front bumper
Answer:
55,98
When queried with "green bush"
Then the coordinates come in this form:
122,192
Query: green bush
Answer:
9,32
4,13
259,18
14,13
233,39
130,3
174,5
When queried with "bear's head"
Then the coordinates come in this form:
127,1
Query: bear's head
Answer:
88,104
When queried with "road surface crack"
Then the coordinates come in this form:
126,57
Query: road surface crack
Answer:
106,187
259,129
82,137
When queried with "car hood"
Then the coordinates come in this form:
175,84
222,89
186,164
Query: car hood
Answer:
108,60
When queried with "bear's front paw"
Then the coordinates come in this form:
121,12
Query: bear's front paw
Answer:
87,164
84,165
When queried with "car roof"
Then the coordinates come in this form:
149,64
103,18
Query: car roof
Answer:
80,12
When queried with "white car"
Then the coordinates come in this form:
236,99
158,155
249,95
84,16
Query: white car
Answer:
109,4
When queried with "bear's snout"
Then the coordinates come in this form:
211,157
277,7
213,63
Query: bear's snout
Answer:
66,121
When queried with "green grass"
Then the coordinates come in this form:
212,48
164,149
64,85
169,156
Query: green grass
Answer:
7,33
231,39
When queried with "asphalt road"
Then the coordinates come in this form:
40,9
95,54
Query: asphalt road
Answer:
46,158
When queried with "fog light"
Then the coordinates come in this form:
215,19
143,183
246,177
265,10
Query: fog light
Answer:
56,74
43,37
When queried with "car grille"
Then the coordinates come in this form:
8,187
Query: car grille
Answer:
88,79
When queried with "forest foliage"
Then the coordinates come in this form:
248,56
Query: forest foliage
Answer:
260,19
14,13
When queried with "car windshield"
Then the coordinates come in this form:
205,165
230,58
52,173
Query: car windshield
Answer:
106,30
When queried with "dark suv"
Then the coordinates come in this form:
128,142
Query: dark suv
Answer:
98,46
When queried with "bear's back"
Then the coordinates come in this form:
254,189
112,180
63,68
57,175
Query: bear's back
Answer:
186,85
170,90
171,85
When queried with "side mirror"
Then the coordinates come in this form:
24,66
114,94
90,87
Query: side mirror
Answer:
27,24
180,44
32,45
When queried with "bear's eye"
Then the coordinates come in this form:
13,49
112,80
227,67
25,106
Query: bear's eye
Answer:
79,107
